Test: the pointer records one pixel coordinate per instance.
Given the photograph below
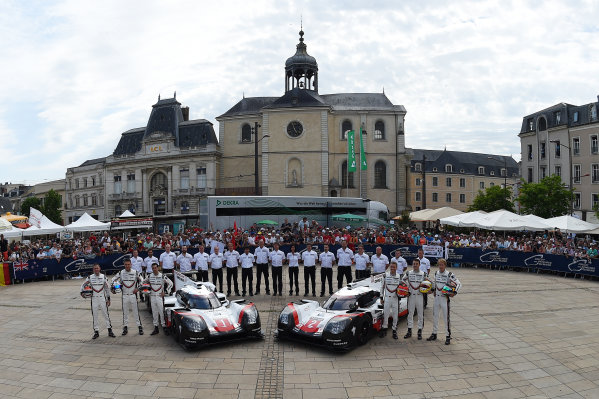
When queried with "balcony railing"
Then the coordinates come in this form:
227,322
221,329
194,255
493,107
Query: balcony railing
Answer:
124,196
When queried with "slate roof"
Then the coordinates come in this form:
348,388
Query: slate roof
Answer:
361,101
298,98
467,161
566,115
93,161
5,205
249,105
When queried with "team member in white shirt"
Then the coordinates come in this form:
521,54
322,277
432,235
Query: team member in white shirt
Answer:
293,262
277,257
425,266
216,264
184,260
232,261
309,258
200,261
261,254
401,263
149,261
379,261
326,258
362,261
345,258
247,270
137,262
442,277
167,260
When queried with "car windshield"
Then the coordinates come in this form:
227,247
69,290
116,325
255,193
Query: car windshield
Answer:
338,302
206,301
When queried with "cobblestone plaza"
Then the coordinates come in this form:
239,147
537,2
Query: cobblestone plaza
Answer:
514,335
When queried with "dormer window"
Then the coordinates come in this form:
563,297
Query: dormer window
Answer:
449,168
481,170
435,169
418,167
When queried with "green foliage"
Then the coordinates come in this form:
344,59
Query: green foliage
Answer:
52,205
405,219
30,202
493,199
547,198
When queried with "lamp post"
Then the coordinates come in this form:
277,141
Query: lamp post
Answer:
256,141
504,176
571,207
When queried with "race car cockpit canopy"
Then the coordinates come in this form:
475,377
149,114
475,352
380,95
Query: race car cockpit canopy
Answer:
351,299
197,298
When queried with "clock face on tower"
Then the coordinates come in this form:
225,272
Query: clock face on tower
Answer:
295,129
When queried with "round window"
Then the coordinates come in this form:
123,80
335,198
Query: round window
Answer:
295,129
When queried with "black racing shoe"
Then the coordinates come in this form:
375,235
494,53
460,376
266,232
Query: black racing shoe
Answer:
110,333
228,293
290,292
433,337
447,340
166,332
321,294
408,334
124,331
383,333
243,293
251,293
96,335
296,292
419,334
267,292
280,294
155,331
237,293
314,294
306,293
395,334
141,331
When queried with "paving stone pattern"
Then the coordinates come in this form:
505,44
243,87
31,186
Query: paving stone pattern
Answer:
515,334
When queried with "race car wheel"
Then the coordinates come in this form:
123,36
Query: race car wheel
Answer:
362,332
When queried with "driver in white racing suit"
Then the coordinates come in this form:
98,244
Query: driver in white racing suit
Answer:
390,299
157,281
100,299
129,280
442,278
413,279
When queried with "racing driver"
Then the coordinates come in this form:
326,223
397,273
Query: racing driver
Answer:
390,299
157,281
129,280
413,279
100,299
443,277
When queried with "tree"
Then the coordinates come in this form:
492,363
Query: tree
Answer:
30,202
493,199
547,198
52,205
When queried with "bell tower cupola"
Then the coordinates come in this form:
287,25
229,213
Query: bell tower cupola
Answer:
301,70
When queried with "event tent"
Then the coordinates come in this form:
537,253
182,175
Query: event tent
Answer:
506,220
46,227
432,215
571,224
127,214
8,230
87,223
462,220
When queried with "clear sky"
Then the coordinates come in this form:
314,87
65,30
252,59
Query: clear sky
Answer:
76,74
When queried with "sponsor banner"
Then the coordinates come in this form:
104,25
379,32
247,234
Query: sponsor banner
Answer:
33,269
433,251
129,223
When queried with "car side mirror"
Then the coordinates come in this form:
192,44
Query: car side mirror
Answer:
353,307
381,306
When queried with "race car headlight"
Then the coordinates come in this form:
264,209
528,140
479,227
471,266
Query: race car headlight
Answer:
337,325
250,315
286,317
194,324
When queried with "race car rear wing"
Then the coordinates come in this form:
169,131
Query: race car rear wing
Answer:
375,282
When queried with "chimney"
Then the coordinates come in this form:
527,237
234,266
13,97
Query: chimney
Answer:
185,111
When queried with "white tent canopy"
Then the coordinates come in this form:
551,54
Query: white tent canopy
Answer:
8,230
46,227
571,224
506,220
127,214
87,223
462,220
433,214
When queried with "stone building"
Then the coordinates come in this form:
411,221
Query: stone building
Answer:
303,146
563,140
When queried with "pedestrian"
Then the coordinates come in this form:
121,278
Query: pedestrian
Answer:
443,277
362,261
216,264
414,279
200,262
100,299
261,253
379,261
309,258
390,299
326,259
293,262
231,257
157,281
276,258
247,271
129,280
345,259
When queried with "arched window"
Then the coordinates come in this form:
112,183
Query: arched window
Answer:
346,126
380,175
542,124
117,210
344,176
246,133
379,130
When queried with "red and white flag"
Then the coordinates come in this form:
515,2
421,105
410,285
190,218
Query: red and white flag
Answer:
35,217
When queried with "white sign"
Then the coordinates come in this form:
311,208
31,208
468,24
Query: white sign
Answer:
433,251
35,217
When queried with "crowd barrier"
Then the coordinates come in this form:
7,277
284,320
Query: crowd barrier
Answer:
34,269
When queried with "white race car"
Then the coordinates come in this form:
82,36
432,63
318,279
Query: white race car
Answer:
197,316
345,320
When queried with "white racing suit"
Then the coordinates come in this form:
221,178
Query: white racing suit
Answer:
415,302
157,282
391,300
129,282
100,295
441,306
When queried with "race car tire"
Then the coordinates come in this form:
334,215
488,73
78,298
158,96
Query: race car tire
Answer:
362,332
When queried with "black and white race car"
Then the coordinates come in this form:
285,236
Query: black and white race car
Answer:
345,320
197,316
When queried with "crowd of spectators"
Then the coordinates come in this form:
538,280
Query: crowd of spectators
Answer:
303,232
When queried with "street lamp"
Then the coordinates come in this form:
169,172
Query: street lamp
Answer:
571,173
256,141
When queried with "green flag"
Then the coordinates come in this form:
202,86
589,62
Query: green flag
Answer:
351,151
363,164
